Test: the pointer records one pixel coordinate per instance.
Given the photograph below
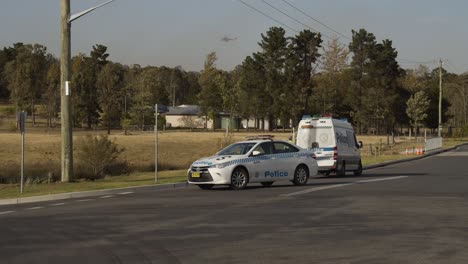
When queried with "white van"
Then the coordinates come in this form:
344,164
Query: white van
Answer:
333,142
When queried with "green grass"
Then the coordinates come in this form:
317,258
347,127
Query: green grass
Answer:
135,179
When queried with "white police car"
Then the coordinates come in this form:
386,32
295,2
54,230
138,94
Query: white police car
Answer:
256,160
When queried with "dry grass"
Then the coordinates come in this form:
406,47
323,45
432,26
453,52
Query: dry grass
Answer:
177,150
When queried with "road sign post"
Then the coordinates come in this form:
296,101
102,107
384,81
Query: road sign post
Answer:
21,125
156,143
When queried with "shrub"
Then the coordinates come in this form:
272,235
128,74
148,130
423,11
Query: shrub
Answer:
95,155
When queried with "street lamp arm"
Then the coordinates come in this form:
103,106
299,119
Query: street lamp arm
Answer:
82,13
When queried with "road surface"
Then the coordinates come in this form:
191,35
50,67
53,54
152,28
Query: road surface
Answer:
413,212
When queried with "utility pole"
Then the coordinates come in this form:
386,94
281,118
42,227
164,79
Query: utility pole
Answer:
439,132
66,127
65,92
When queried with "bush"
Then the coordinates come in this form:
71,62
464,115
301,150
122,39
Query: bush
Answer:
96,155
38,172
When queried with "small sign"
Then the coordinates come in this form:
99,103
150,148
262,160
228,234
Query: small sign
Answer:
22,121
67,88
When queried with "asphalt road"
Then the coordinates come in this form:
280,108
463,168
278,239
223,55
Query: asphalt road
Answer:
414,212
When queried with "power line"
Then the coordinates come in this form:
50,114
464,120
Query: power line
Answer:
343,35
401,60
266,15
316,20
279,22
279,10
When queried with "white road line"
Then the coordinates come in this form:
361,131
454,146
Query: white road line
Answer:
340,185
85,200
124,193
316,189
35,208
6,212
107,196
382,179
57,204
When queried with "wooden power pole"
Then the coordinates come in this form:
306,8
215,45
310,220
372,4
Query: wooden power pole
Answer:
65,109
439,131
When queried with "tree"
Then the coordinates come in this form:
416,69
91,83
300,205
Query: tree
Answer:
148,89
335,57
273,54
211,81
333,82
26,76
84,96
303,56
52,93
363,48
110,85
251,87
99,54
416,109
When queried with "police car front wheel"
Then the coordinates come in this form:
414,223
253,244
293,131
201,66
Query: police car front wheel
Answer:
239,179
301,175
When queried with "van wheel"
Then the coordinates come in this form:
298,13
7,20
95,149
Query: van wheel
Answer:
358,172
301,175
239,179
267,184
205,186
341,172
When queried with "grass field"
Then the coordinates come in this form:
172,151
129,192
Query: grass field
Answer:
177,150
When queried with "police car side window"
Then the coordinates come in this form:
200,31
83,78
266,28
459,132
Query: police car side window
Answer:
281,147
264,148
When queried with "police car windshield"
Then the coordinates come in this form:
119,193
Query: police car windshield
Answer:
237,149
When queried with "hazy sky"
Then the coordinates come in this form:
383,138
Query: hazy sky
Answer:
182,32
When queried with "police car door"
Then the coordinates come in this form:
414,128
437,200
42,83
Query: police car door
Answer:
287,159
262,163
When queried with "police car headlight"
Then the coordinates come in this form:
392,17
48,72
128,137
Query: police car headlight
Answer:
218,166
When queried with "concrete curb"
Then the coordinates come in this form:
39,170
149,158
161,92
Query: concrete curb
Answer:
62,196
432,153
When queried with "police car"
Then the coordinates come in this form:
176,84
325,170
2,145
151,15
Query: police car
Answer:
259,159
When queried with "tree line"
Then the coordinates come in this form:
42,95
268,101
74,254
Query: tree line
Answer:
288,77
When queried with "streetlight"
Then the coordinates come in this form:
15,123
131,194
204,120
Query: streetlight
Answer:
66,119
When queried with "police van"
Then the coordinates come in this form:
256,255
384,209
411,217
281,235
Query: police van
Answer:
334,143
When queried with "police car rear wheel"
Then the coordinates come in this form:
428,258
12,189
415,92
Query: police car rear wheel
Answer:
239,179
205,186
301,175
267,184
